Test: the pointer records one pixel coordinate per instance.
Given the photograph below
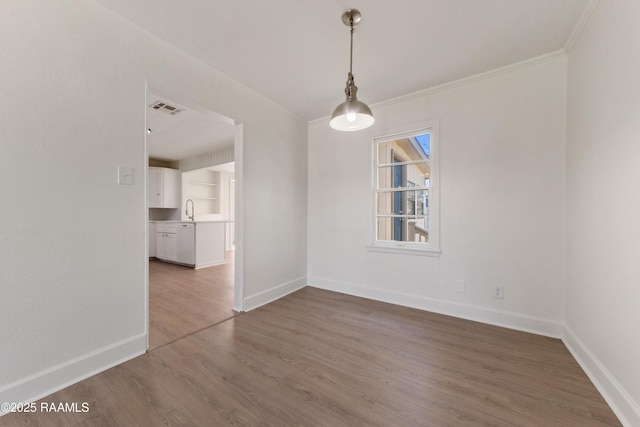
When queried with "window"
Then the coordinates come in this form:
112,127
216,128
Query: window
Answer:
406,211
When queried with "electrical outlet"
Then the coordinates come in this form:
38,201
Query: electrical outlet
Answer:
461,286
498,292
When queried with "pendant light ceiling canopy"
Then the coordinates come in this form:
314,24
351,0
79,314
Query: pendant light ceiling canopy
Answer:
352,114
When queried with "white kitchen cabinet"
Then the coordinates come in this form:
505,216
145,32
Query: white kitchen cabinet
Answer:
197,244
210,237
152,239
166,248
163,188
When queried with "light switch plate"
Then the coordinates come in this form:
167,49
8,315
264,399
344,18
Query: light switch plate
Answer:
125,175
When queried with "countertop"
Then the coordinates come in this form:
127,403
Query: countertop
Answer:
191,222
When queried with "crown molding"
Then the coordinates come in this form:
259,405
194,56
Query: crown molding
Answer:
466,80
579,27
475,78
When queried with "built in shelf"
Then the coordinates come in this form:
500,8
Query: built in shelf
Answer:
203,187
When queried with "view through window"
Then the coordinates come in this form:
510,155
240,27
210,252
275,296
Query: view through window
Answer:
404,190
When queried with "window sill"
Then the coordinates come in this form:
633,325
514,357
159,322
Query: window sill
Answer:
404,250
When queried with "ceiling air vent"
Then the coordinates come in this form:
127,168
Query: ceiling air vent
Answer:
167,108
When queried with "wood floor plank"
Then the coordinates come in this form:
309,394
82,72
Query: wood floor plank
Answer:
183,300
319,358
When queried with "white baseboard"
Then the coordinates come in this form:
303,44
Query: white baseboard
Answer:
44,383
210,264
505,319
623,405
254,301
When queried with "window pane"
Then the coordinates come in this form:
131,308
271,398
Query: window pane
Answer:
411,202
403,202
403,176
384,177
424,141
386,203
398,203
421,202
402,161
403,216
402,229
404,150
385,229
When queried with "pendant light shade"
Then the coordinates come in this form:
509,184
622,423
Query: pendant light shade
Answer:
352,114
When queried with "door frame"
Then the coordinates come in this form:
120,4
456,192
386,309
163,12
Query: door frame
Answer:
238,288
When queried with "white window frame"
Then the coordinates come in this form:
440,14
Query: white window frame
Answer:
432,247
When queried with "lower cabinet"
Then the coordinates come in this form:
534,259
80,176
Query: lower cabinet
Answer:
176,242
166,246
166,241
210,237
152,240
198,245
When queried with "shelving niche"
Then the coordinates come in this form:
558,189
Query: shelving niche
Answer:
203,187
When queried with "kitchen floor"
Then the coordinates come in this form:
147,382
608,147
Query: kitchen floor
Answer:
183,300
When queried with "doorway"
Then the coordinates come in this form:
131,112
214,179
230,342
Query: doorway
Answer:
200,147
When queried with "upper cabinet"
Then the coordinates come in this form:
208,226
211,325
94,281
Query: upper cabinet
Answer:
163,188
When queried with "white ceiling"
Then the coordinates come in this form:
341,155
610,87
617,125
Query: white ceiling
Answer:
296,52
192,131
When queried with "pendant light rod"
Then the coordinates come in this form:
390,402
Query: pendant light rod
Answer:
351,47
351,18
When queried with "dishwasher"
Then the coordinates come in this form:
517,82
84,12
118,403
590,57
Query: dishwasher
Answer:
186,243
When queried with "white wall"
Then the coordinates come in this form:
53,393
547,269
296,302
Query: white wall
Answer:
502,201
72,282
603,204
275,213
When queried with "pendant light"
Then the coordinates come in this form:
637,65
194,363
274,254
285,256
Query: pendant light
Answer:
352,114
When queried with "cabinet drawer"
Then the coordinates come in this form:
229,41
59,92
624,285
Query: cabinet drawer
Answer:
165,228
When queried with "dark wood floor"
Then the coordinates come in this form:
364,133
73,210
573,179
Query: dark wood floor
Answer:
183,300
318,358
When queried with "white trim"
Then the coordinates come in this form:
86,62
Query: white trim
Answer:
145,189
580,25
274,293
411,162
531,62
432,248
44,383
238,273
473,79
396,189
622,403
506,319
210,264
384,248
402,216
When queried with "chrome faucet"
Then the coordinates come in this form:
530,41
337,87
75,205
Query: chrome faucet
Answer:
193,213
